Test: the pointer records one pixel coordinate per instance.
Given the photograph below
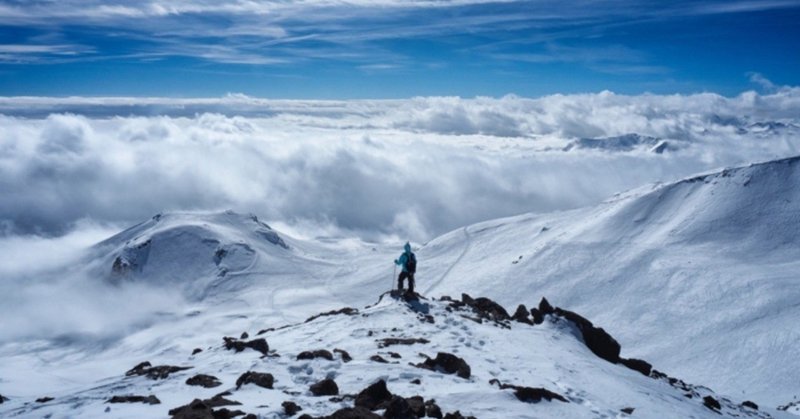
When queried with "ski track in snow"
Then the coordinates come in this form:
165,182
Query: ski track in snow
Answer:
467,246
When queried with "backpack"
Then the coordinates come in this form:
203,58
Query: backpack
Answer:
411,264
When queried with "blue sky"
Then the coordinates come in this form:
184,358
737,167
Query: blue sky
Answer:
394,49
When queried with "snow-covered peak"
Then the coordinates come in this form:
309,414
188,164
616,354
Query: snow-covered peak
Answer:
193,250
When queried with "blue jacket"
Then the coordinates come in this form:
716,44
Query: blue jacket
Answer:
404,257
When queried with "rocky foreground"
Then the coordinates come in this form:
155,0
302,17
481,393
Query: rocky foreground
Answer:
403,357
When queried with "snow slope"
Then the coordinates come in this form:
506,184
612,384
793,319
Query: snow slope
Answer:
551,355
699,276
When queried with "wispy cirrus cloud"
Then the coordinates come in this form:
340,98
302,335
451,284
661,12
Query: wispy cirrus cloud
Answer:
249,32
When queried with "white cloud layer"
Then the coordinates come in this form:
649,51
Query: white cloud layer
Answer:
72,171
414,168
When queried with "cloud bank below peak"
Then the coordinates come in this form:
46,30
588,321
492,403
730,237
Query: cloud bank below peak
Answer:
414,168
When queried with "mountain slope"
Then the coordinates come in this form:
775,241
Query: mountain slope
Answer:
699,276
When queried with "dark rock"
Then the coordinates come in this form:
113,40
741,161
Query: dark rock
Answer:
291,408
748,403
260,379
417,405
199,409
536,394
134,399
432,410
202,380
244,335
44,399
3,399
457,415
378,358
321,353
394,355
399,408
447,363
416,381
627,410
194,410
711,403
545,307
154,373
196,351
326,387
237,345
219,400
530,394
373,396
349,311
486,308
538,317
643,367
595,338
382,343
345,356
353,413
522,315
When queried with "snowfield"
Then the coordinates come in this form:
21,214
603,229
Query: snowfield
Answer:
697,277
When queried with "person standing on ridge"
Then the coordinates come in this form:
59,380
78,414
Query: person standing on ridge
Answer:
408,262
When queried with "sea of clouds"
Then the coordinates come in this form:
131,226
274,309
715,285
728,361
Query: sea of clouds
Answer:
76,170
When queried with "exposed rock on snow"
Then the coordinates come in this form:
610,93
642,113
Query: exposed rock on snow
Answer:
258,378
374,397
203,380
344,354
320,353
135,399
530,394
382,343
237,345
326,387
349,311
290,408
448,364
159,372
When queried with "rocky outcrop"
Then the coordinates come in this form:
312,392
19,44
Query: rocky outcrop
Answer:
326,387
522,315
349,311
530,394
203,380
448,364
202,409
486,308
154,373
711,403
643,367
382,343
290,408
135,399
260,379
344,354
320,353
374,397
237,345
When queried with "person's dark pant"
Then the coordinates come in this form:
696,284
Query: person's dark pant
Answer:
404,275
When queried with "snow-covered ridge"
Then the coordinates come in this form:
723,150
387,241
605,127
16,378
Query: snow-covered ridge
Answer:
710,260
402,357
